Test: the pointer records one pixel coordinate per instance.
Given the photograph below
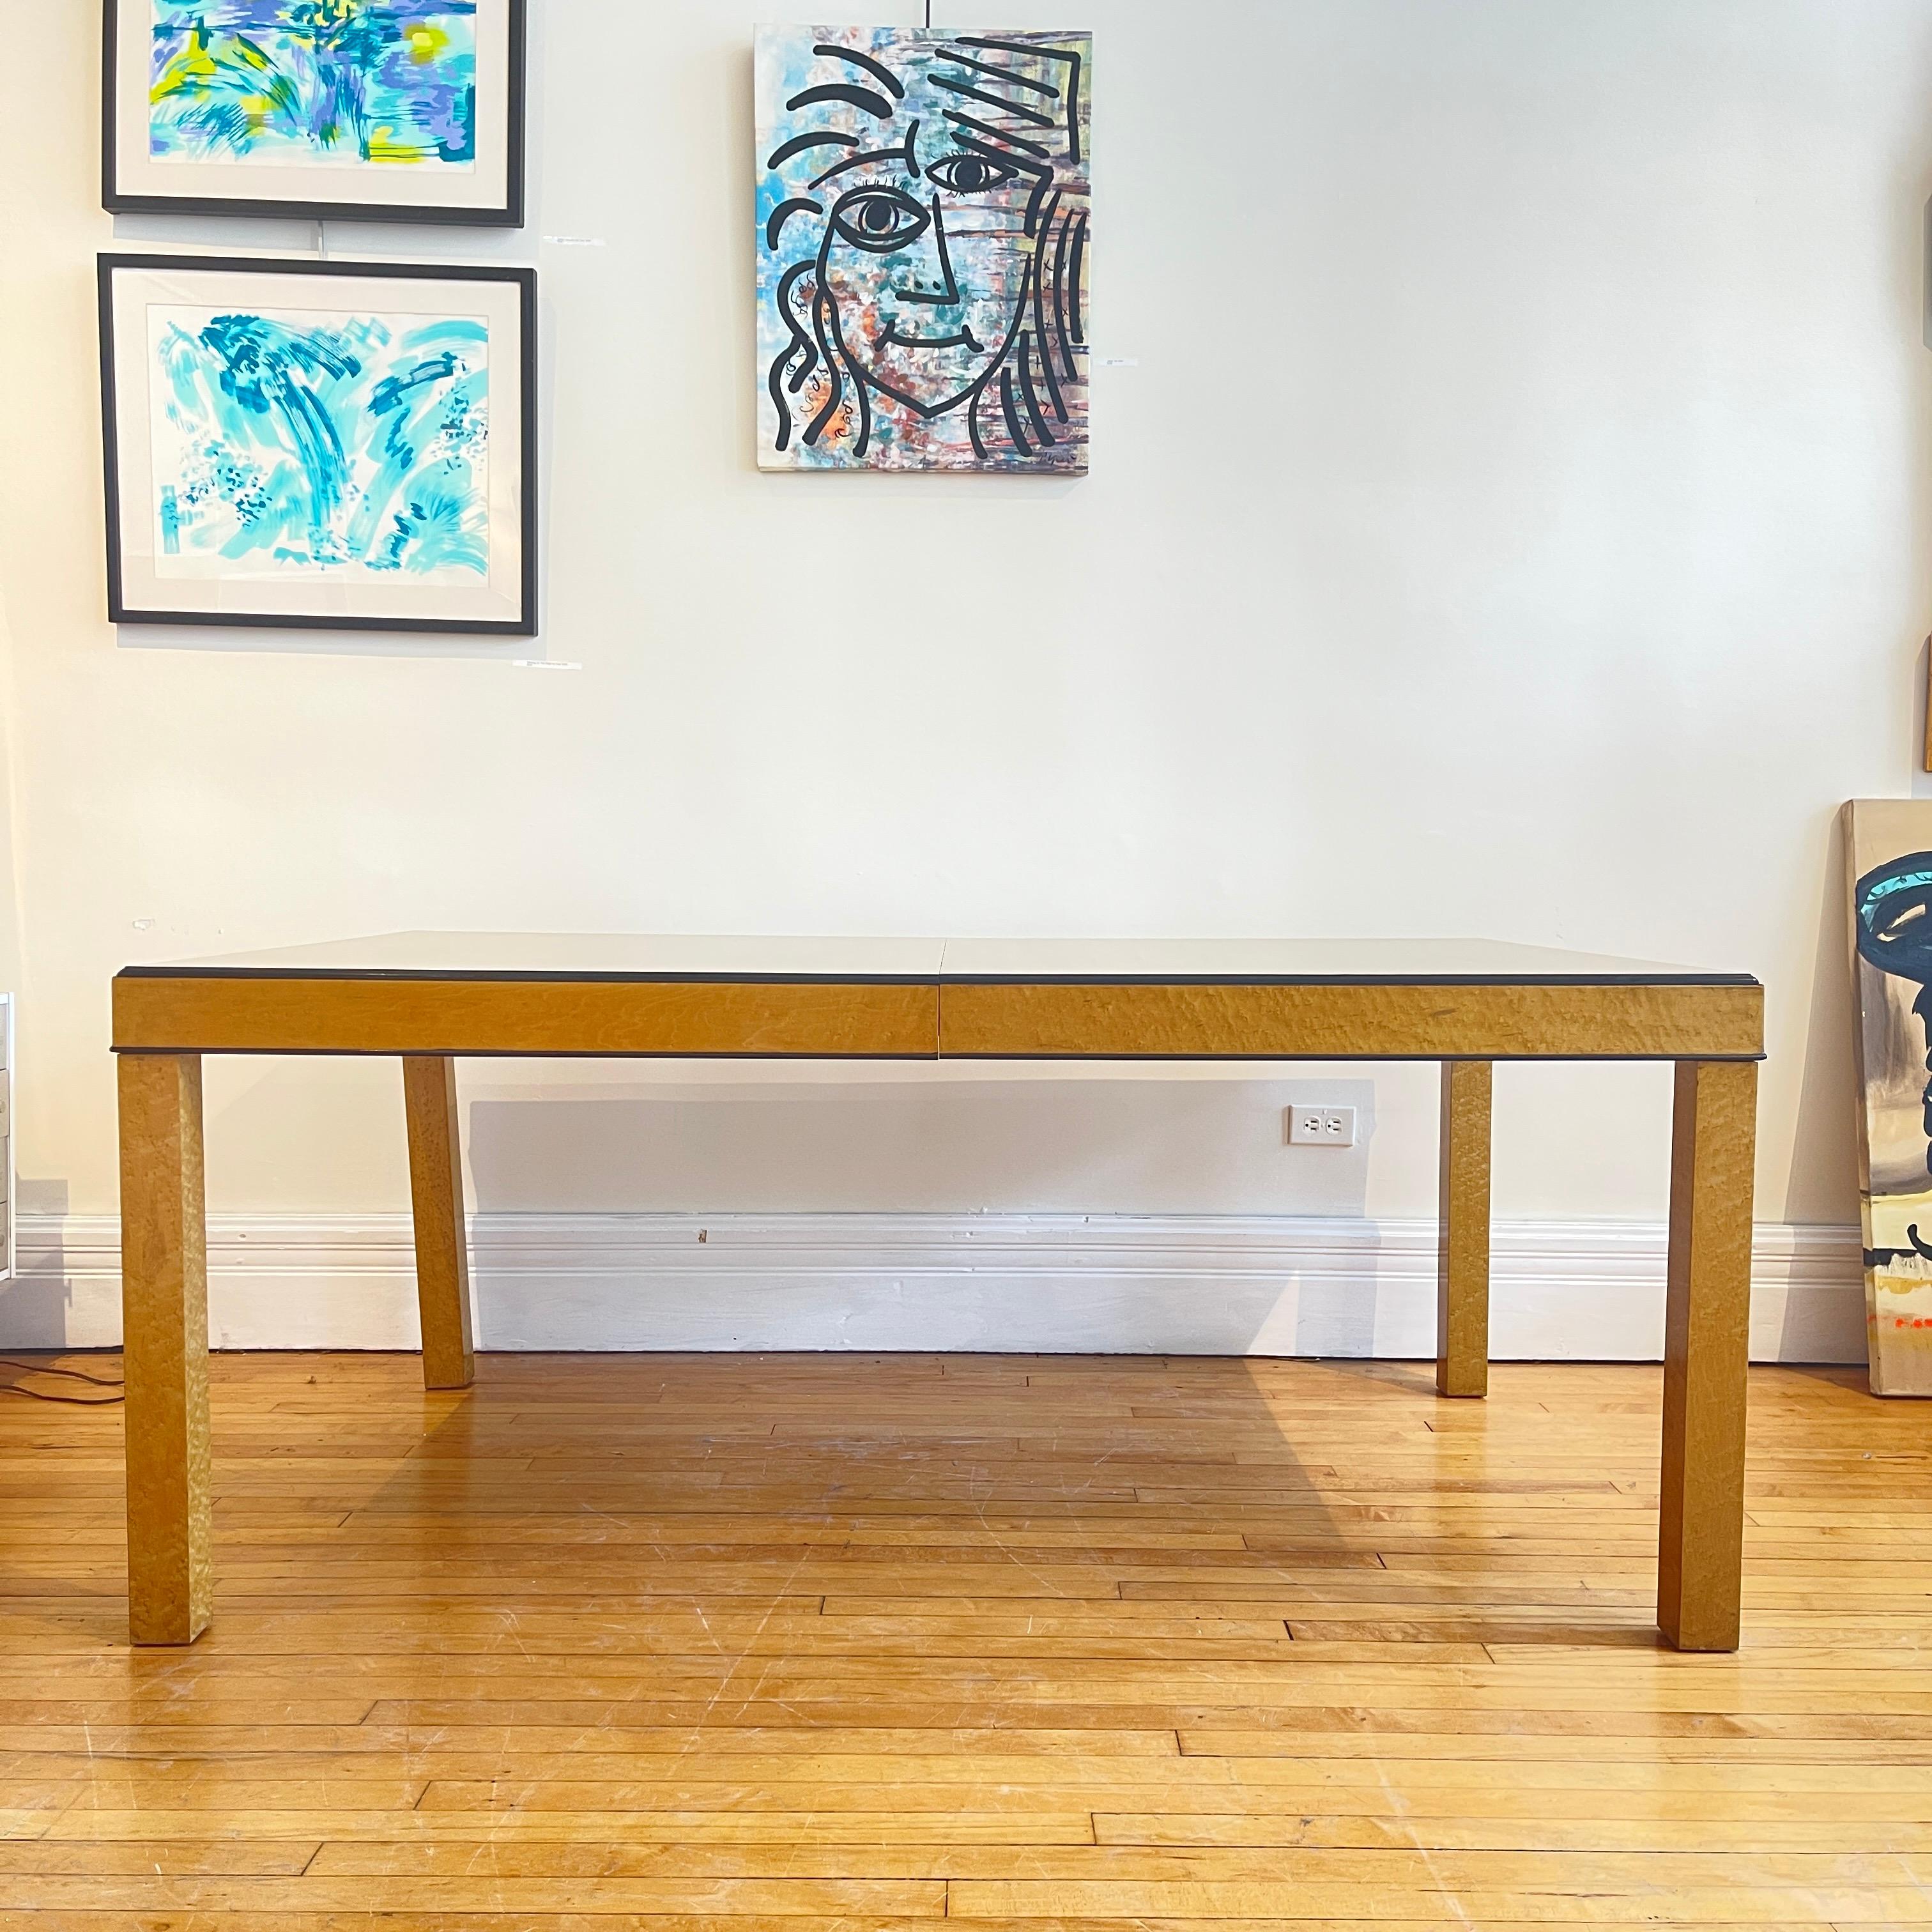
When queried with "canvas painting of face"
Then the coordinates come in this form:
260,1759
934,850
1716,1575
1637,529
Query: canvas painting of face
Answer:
1889,850
923,248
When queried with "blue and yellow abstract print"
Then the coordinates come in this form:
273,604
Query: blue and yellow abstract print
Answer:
309,82
295,441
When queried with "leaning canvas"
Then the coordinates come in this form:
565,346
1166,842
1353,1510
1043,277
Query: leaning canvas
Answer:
1888,850
924,245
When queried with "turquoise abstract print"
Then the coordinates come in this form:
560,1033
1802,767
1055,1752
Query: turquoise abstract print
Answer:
357,82
297,442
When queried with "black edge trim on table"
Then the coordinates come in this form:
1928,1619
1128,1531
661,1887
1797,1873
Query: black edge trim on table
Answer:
505,1053
942,979
524,278
1348,979
1416,1059
509,975
910,1056
512,215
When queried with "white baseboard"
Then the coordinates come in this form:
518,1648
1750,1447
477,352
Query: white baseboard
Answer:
1017,1283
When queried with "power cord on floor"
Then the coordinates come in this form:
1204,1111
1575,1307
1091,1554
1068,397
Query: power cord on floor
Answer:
74,1375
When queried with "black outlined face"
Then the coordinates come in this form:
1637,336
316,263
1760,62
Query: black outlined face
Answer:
939,184
924,258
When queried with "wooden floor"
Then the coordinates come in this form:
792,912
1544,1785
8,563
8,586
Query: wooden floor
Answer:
804,1643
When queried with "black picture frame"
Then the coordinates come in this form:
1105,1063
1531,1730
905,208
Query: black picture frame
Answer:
510,214
525,280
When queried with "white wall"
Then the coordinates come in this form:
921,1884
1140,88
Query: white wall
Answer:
1516,524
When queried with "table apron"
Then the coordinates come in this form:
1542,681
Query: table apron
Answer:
838,1019
587,1017
1362,1020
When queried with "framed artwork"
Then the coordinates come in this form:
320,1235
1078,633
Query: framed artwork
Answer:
1889,855
366,110
923,245
320,445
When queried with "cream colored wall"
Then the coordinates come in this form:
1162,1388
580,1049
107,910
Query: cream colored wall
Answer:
11,952
1515,523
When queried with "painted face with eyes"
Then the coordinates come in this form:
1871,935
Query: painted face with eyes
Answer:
926,270
922,226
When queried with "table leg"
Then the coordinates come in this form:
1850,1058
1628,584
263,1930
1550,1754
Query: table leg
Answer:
436,1190
164,1342
1462,1242
1700,1558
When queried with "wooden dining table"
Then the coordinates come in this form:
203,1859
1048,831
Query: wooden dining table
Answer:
430,999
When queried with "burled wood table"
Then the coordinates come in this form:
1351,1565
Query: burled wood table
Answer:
429,998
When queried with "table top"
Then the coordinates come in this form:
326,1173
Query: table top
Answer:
587,957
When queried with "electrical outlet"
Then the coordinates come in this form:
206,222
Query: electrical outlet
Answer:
1322,1127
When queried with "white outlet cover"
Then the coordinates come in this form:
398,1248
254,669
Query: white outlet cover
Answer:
1322,1127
